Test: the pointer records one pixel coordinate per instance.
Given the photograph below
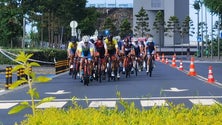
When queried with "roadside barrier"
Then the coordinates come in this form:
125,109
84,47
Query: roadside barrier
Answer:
8,76
192,71
181,65
61,66
210,75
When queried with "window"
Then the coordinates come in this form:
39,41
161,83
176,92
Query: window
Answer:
155,3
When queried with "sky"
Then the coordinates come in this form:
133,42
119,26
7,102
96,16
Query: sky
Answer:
191,10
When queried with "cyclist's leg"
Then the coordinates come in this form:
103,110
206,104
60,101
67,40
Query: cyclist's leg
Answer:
81,68
148,60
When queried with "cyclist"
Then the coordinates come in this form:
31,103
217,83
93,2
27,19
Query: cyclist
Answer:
85,50
150,50
71,51
100,46
127,49
112,50
137,49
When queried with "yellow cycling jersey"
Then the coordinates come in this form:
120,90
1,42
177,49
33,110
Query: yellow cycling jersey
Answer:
111,45
72,45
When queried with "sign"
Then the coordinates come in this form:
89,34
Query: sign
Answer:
199,39
220,34
73,24
174,90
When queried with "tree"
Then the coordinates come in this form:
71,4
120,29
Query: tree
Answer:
159,26
142,24
215,7
173,28
108,25
10,23
125,29
187,29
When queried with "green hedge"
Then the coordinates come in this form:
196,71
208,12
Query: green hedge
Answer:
171,115
46,55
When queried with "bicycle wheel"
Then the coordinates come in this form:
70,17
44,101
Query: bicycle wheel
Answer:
151,66
136,68
99,71
109,70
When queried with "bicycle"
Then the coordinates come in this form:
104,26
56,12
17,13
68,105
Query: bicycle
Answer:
129,66
150,65
98,69
110,68
75,68
86,72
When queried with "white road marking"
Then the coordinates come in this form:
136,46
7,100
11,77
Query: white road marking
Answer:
203,101
7,105
148,103
174,90
52,104
116,99
102,103
59,92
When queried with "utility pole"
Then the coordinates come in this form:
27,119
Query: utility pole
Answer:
202,42
212,35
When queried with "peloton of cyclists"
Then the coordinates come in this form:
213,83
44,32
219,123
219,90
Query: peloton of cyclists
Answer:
85,50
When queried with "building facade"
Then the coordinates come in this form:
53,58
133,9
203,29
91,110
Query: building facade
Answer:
178,8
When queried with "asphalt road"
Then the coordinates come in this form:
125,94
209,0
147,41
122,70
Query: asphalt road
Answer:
167,84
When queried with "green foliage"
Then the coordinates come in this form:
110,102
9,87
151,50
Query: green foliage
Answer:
46,55
108,25
173,26
215,6
23,58
10,23
142,24
125,29
163,115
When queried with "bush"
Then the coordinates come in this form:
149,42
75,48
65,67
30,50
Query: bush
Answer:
174,114
47,55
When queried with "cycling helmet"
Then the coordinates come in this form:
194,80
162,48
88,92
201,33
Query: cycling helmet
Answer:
110,37
135,39
150,39
74,39
85,39
100,37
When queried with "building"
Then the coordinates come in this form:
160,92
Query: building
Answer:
110,3
178,8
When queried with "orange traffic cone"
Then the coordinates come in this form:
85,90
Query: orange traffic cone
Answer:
174,62
210,75
192,71
158,57
166,61
181,65
163,58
